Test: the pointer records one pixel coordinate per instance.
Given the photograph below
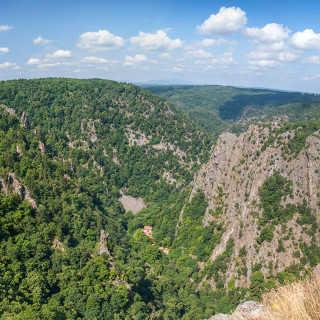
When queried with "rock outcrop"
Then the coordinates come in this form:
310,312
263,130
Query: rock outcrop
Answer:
238,167
11,184
249,310
103,244
25,121
11,111
131,204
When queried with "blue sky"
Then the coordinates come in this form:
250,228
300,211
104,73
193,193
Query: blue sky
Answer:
273,44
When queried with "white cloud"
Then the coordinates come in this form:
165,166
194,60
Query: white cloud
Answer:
4,50
59,54
33,61
225,59
265,63
206,43
271,32
306,40
165,55
225,22
269,55
49,65
94,60
210,42
9,65
177,69
312,59
41,40
314,77
157,41
138,58
199,54
5,27
101,40
273,46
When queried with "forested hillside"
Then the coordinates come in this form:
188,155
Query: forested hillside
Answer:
215,108
67,148
228,220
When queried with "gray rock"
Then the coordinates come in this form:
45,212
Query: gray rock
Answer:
25,121
222,316
250,310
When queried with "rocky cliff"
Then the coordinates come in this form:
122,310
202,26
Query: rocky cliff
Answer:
239,181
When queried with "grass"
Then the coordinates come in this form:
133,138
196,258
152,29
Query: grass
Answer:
296,301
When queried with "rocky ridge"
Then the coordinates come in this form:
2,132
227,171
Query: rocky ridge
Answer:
231,180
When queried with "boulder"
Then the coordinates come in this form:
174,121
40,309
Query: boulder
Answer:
250,310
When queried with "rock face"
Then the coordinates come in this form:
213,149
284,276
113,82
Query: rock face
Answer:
14,185
231,180
132,204
103,243
11,111
24,121
58,245
249,310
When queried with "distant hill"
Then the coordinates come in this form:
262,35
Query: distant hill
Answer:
214,108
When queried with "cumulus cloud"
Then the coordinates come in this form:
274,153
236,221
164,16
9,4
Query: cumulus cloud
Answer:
211,42
314,77
177,69
49,65
306,40
33,61
94,60
132,60
165,55
312,60
265,63
4,50
59,54
199,54
271,55
101,40
5,27
158,41
271,32
53,64
271,46
41,40
225,59
225,22
7,64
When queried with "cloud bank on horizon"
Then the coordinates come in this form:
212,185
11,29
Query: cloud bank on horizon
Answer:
223,49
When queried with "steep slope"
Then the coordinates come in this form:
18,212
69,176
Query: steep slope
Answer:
68,150
262,187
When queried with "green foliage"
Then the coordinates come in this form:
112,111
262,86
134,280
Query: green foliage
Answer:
214,108
257,285
76,181
273,190
266,234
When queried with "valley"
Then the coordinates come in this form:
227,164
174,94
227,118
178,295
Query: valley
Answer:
225,180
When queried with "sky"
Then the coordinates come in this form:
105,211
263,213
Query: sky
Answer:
270,44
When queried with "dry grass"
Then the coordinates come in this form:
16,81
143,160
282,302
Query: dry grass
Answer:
296,301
